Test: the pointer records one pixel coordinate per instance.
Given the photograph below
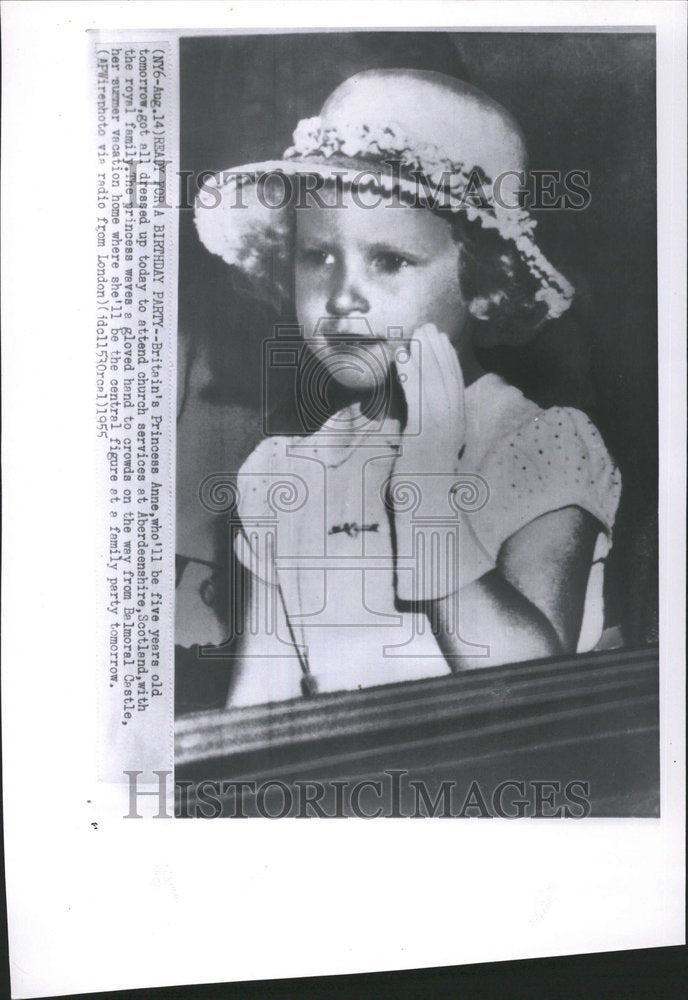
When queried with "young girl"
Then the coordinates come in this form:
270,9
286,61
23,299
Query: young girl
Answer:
438,520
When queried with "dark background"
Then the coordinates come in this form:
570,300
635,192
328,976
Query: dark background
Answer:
584,101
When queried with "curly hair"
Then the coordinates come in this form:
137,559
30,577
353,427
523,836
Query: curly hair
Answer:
500,291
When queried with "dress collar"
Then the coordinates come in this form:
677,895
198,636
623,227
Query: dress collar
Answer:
345,431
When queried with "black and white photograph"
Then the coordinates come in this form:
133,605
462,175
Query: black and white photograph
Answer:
344,478
417,420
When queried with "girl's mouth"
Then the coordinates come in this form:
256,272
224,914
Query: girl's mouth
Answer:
346,339
347,330
347,336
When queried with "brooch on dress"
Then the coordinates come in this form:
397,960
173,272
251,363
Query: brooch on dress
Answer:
351,528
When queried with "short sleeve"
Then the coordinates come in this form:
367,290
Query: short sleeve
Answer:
554,459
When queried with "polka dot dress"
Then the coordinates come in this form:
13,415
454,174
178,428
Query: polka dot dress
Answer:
314,503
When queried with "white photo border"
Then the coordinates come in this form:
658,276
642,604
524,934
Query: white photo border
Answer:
96,903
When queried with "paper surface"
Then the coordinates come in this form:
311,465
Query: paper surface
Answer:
114,317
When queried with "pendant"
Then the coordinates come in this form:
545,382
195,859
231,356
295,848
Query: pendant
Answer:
352,529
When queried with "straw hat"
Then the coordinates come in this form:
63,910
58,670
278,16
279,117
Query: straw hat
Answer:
417,136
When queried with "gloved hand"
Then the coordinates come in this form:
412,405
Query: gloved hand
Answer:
431,533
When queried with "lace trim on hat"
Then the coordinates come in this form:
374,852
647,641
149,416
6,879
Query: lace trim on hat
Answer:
371,141
318,148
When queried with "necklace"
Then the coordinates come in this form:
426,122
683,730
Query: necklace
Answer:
352,528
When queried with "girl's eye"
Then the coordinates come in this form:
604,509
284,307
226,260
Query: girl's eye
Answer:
317,258
390,263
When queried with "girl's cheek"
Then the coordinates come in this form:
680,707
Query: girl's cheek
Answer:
304,309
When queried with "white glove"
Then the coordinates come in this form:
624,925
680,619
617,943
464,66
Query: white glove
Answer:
432,534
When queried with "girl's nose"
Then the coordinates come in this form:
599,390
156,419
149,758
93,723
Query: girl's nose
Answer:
345,294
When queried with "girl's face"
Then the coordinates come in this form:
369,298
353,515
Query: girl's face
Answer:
367,278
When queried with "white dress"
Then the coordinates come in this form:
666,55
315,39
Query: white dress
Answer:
317,538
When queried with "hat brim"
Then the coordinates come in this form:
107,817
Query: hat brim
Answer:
235,203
